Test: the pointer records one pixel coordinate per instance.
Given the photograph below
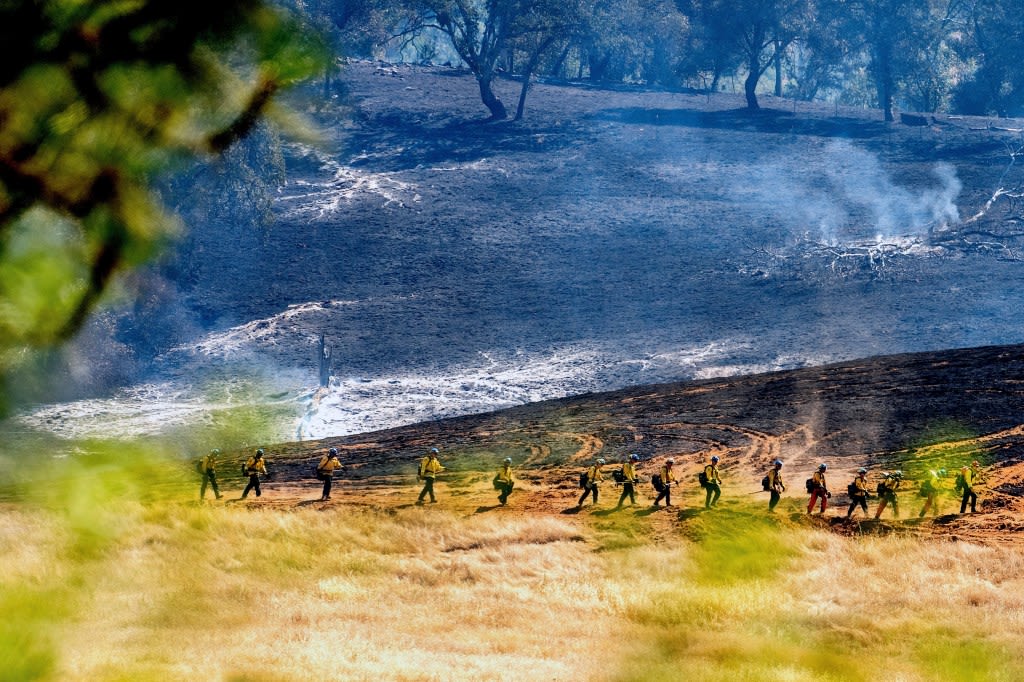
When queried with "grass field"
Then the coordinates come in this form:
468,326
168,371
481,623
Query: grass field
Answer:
101,578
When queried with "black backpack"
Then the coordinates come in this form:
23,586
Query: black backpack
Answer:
702,477
658,484
961,482
811,485
766,483
882,488
583,479
619,475
852,490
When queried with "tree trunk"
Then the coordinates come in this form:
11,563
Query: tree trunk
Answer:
754,45
598,68
885,98
531,65
778,68
750,85
522,96
491,101
559,67
884,83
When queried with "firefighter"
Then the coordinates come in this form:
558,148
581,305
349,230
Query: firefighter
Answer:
504,481
713,487
887,494
930,492
594,477
858,492
254,467
208,469
629,481
968,481
668,477
976,470
775,485
325,471
819,489
430,467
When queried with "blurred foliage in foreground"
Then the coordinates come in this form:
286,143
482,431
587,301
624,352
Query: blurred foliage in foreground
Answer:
110,571
96,98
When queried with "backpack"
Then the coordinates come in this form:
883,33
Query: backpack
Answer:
766,483
811,485
245,470
658,484
926,489
619,475
852,490
583,480
497,482
882,489
961,482
702,477
200,469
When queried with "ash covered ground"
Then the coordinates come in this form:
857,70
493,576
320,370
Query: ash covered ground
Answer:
611,238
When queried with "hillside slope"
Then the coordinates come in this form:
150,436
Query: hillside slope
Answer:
913,412
614,237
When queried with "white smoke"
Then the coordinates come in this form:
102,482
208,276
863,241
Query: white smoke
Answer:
290,327
353,405
856,198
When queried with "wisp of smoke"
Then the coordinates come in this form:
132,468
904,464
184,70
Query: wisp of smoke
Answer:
857,198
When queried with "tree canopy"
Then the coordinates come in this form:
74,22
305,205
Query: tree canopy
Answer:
961,56
96,99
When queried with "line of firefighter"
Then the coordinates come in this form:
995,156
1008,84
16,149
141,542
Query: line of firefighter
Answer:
663,481
887,489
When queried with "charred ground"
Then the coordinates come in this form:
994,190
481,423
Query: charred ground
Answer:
620,218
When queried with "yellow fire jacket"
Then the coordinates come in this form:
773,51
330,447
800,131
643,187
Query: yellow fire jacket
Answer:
819,480
328,464
256,466
430,467
969,476
629,472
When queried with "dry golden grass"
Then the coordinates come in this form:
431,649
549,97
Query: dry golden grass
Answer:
100,581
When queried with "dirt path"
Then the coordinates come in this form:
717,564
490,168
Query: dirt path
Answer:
915,413
551,490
